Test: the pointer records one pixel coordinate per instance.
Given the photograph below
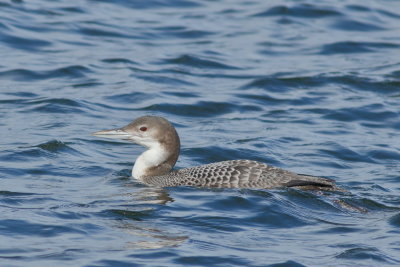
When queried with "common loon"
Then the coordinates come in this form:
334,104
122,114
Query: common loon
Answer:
153,167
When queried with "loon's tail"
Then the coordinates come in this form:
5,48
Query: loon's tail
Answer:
308,182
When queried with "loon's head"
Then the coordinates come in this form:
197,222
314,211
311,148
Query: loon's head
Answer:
148,131
158,136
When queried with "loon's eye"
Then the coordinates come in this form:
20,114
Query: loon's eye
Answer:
143,129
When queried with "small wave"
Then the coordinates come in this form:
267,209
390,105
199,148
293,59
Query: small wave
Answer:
22,94
384,155
22,155
119,61
164,79
15,194
4,4
24,43
153,4
201,108
353,25
24,228
356,47
58,101
51,105
365,253
44,150
373,113
197,62
395,220
72,72
285,83
130,214
344,153
130,98
304,11
72,9
269,100
182,94
53,146
105,32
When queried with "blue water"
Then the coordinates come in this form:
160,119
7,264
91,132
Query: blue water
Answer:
308,86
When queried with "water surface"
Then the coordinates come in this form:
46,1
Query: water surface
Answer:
309,86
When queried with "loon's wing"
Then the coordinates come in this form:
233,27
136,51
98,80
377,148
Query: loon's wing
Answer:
240,174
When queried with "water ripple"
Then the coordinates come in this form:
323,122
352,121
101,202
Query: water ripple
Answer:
355,47
193,61
151,4
73,72
22,43
353,25
201,109
304,11
8,226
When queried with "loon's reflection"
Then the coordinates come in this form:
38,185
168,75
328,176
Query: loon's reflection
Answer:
138,218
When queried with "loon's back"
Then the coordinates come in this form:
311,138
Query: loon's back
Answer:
239,174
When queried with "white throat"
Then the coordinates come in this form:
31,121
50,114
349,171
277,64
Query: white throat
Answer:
152,157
